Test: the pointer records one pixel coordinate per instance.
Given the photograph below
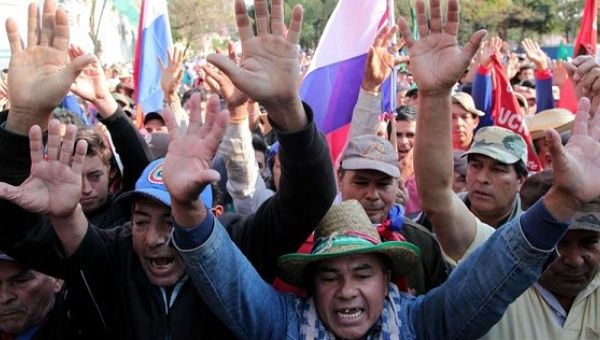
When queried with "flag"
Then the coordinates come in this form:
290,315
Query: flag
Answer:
154,40
562,53
587,38
568,98
505,112
332,82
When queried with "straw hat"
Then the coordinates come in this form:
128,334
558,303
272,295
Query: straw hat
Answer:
345,230
559,119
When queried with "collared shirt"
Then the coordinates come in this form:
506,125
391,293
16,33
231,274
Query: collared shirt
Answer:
560,314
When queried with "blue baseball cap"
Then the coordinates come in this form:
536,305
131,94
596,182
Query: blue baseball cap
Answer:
151,185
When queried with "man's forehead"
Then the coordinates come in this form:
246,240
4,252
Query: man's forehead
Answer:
146,204
10,269
578,234
458,109
353,262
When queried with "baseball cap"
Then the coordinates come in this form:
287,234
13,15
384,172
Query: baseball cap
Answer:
153,115
119,97
460,163
466,101
588,217
500,144
559,119
586,221
414,90
158,142
370,152
151,185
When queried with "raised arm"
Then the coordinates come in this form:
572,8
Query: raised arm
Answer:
437,63
585,72
170,80
543,75
482,84
54,185
236,147
501,269
39,77
378,67
269,75
92,86
40,74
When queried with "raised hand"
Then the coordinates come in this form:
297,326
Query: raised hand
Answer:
172,73
270,69
512,67
40,75
380,60
535,54
186,170
585,72
91,84
491,47
436,60
559,73
54,185
236,100
576,166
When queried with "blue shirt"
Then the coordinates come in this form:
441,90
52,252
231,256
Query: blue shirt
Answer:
473,299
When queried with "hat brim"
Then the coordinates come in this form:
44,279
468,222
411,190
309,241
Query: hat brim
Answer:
539,132
493,153
403,258
125,199
369,164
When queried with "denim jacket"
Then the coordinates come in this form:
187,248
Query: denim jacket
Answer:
473,299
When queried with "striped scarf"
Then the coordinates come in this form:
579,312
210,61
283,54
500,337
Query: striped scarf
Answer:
387,327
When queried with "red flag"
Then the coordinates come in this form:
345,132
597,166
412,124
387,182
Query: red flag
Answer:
568,98
585,44
506,112
337,141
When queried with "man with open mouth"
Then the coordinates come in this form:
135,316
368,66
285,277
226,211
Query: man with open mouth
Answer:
127,282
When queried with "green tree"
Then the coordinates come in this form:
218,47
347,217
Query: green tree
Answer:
316,14
568,15
192,18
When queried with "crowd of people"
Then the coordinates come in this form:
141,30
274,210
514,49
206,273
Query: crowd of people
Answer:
223,216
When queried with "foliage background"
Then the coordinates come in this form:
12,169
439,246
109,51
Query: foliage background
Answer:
510,19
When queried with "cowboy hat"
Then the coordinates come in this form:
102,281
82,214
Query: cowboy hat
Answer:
346,230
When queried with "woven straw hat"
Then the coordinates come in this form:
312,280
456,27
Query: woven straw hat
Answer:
345,230
559,119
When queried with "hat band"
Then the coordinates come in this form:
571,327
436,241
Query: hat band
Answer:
326,243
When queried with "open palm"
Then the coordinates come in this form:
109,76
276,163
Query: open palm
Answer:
41,74
54,184
436,60
270,67
576,170
186,170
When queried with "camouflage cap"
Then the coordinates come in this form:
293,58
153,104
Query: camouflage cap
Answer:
588,217
586,220
500,144
370,152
